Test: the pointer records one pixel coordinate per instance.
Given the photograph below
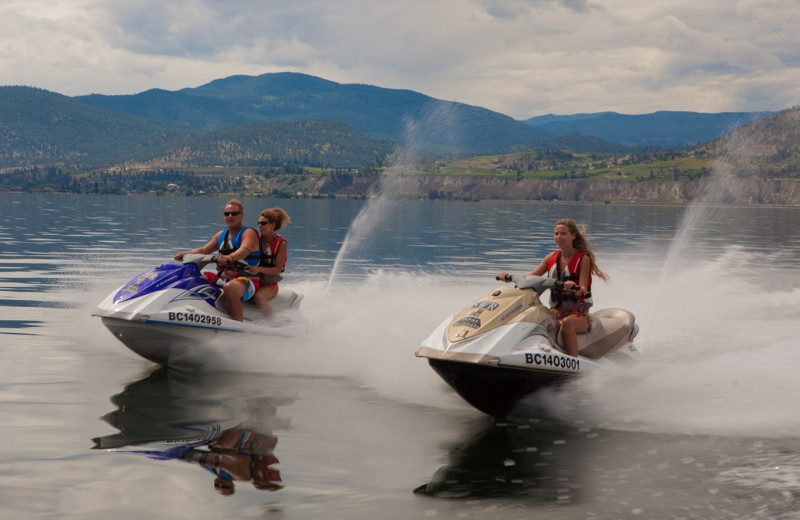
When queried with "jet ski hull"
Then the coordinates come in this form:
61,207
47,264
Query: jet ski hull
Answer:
173,314
158,342
494,390
506,345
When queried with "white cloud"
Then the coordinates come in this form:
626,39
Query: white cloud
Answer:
519,57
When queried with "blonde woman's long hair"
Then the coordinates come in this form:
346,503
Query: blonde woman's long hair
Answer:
584,244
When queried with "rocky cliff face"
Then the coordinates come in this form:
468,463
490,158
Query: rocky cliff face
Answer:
723,190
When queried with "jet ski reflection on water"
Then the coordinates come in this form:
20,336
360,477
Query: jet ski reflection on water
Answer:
222,423
164,312
539,460
506,345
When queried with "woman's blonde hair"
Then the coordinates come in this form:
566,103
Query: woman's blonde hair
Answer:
276,215
583,243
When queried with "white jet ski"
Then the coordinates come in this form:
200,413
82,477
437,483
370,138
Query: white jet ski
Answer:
506,345
165,312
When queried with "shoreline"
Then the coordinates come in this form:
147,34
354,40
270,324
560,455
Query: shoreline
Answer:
714,190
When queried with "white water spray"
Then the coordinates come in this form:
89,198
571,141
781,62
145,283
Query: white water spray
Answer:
434,125
714,193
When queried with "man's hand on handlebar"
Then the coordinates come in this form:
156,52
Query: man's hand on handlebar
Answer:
233,268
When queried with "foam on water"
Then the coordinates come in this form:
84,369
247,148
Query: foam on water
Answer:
720,355
719,341
368,331
720,352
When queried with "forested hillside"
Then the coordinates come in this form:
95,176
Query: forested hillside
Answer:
399,115
317,144
43,128
768,147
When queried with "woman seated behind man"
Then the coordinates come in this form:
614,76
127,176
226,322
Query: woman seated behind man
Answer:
274,254
572,263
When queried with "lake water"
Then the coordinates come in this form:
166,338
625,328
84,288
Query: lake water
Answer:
350,422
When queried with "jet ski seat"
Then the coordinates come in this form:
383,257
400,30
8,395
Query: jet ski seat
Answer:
611,329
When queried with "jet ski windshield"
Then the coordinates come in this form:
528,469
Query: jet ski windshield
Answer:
155,279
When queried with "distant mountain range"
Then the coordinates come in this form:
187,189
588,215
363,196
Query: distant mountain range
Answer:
398,115
658,130
289,118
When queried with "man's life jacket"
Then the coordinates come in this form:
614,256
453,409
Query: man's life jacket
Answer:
228,245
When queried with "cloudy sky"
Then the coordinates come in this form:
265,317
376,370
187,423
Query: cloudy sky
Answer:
519,57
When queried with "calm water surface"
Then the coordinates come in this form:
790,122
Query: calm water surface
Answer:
349,422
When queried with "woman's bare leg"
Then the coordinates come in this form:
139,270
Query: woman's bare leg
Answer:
571,326
262,297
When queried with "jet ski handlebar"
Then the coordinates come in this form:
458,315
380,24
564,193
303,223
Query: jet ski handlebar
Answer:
241,268
201,261
536,283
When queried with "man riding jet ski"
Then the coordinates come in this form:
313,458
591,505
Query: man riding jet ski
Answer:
167,313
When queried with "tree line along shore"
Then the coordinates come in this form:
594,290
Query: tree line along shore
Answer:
437,182
766,171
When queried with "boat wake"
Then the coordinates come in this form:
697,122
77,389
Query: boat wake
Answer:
720,354
718,342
